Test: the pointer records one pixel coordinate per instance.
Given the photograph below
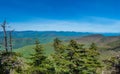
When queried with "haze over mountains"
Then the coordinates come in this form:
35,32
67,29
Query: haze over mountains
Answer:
23,38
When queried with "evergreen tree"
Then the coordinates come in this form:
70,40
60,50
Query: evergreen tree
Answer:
37,59
83,61
73,56
92,63
60,63
58,46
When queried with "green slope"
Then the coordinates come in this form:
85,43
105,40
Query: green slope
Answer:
26,51
48,49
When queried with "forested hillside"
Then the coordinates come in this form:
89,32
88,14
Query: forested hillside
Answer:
59,36
87,54
24,38
32,52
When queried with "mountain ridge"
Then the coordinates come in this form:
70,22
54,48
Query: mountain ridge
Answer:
23,38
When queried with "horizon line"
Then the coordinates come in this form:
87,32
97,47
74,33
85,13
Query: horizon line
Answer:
59,31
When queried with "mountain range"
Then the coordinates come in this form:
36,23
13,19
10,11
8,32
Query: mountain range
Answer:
24,38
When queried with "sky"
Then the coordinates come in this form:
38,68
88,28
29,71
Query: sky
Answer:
61,15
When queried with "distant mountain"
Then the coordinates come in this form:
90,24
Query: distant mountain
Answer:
35,34
110,34
107,42
23,38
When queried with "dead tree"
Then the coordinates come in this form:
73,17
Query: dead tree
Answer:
5,35
10,40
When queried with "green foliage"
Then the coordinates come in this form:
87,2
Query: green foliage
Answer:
72,58
60,63
28,50
113,64
83,61
10,61
40,64
38,56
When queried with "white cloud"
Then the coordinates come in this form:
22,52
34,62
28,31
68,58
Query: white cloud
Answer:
92,24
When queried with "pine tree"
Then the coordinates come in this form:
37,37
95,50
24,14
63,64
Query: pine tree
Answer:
83,61
73,56
40,63
92,63
58,46
89,60
37,59
60,63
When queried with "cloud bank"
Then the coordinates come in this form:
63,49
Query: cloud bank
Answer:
87,24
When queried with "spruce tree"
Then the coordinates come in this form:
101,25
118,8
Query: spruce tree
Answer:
83,60
92,61
73,56
60,63
37,59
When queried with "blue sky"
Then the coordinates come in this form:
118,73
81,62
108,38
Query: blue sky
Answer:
62,15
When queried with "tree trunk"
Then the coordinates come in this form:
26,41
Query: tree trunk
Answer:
10,36
5,35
